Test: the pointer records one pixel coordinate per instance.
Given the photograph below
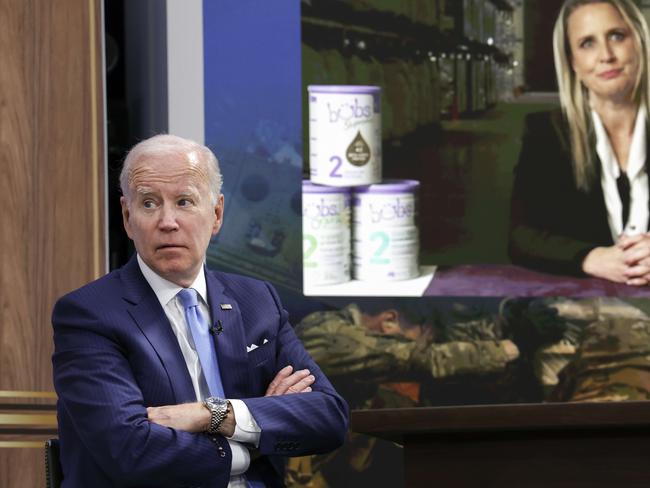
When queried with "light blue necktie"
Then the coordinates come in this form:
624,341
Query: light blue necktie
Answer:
205,349
202,341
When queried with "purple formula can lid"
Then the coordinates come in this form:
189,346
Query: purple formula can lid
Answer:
309,187
343,89
390,187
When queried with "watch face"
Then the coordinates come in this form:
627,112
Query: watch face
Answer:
215,401
218,411
218,408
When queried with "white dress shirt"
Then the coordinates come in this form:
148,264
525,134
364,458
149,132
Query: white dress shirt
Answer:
636,173
246,430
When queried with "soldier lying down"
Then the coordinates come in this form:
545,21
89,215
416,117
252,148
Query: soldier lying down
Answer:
385,344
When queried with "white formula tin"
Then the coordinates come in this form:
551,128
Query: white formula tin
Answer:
391,203
386,242
344,134
325,234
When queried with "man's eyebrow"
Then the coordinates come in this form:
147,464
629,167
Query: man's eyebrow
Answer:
144,191
189,192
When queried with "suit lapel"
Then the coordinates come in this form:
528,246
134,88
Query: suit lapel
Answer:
150,318
230,343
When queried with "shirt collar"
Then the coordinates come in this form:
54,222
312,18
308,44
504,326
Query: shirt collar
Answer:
165,290
637,154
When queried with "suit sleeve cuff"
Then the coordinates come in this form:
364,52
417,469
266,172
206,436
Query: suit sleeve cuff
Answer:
246,428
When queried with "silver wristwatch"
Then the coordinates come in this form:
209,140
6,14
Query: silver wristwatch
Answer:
218,408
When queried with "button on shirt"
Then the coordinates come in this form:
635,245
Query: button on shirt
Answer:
246,430
636,173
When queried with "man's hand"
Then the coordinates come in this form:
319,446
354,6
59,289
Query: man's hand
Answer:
287,381
191,417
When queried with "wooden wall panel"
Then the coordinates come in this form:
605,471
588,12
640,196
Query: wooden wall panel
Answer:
51,195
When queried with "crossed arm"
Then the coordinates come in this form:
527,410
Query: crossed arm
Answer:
194,417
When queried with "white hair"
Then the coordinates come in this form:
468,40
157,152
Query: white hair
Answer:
166,145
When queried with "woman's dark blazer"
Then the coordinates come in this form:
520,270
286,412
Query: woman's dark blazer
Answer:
553,225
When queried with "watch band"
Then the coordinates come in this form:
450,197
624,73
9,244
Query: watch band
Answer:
218,408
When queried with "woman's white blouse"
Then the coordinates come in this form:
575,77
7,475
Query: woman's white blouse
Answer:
636,173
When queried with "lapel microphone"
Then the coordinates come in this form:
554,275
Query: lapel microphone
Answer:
217,329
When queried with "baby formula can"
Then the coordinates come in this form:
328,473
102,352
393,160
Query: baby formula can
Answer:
344,134
392,203
386,240
325,234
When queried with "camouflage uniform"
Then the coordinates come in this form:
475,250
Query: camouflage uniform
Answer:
341,345
605,354
612,361
588,310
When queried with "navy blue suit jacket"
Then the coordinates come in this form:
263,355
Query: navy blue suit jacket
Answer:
115,354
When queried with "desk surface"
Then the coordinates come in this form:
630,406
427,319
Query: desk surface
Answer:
509,280
396,423
590,445
483,280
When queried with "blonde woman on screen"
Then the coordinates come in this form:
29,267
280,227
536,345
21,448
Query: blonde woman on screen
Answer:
580,201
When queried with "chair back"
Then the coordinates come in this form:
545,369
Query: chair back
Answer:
53,474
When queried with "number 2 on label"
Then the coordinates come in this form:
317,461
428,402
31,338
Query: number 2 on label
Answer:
309,245
337,165
383,245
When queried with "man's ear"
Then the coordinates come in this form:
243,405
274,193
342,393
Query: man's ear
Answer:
218,215
389,322
126,215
